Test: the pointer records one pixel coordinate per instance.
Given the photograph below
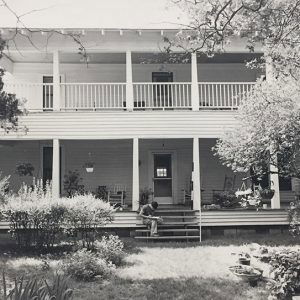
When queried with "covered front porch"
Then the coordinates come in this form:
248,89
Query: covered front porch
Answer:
165,169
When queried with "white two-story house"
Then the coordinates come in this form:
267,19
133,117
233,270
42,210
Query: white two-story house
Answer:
141,119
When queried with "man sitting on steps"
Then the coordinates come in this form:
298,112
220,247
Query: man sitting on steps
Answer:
148,214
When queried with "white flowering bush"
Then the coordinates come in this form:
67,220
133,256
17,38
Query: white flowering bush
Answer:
85,265
84,214
37,219
110,249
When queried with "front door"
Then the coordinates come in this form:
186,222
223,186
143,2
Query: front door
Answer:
162,178
162,92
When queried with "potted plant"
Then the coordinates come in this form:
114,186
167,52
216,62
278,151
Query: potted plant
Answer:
24,169
267,193
226,199
247,273
89,166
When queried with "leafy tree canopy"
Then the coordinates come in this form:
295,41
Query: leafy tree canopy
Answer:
267,129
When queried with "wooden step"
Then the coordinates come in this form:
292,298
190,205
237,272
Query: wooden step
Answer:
176,211
171,230
179,217
177,237
178,224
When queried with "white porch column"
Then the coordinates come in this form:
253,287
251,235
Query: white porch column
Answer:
195,89
129,85
135,175
55,169
56,81
274,178
196,175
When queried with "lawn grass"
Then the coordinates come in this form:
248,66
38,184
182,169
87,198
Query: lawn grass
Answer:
160,288
167,289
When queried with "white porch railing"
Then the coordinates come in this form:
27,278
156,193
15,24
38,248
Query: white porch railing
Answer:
162,95
38,96
222,94
93,95
147,95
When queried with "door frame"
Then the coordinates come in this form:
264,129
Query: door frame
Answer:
174,170
62,160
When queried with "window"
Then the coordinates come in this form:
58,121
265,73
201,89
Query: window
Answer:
285,184
161,172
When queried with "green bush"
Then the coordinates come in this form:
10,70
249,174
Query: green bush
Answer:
294,218
85,265
226,199
84,215
285,270
37,289
72,184
110,249
36,219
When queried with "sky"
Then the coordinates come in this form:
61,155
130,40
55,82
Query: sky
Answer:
93,13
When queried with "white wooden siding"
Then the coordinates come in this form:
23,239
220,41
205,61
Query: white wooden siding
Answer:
244,217
112,159
123,124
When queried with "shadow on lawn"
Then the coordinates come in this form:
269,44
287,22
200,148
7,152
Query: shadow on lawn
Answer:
262,239
165,289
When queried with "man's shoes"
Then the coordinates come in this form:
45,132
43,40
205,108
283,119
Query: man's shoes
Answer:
154,235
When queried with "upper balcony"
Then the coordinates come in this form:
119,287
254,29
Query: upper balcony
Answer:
62,81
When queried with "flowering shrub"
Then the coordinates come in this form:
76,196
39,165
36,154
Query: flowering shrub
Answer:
285,270
85,265
110,249
36,219
84,213
251,200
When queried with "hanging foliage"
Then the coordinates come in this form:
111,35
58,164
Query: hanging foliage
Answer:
10,107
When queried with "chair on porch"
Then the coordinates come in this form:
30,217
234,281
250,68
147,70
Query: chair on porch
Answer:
116,195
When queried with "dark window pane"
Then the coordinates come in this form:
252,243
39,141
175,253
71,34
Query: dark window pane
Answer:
163,188
285,184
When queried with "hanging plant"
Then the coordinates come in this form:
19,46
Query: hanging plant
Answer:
89,166
25,169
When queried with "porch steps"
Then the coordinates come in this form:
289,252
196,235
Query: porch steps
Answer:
179,224
172,237
171,230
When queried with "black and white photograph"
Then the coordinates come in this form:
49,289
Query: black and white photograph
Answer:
150,150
